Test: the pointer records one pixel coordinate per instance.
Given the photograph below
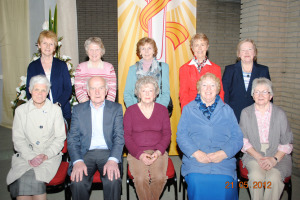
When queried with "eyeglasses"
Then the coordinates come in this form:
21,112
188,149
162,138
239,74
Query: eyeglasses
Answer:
265,92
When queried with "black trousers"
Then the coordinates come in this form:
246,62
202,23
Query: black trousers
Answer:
95,160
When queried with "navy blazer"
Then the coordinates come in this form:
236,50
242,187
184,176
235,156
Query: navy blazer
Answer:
234,87
60,80
80,134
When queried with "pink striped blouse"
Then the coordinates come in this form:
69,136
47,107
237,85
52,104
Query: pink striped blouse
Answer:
84,72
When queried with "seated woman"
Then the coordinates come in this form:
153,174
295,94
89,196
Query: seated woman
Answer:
38,135
95,50
267,143
147,134
209,137
146,50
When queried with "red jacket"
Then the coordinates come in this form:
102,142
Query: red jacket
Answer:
188,77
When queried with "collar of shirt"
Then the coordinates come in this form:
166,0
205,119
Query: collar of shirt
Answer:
257,112
100,65
93,107
196,65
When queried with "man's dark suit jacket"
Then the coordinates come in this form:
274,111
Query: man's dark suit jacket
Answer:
80,134
60,80
236,95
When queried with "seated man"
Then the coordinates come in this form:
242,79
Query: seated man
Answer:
95,142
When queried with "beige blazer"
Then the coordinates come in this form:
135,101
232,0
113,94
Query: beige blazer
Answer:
37,131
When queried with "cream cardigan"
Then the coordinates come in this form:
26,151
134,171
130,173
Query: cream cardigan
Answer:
37,131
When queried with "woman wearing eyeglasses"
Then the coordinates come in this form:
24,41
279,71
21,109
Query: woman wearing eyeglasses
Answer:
237,78
267,143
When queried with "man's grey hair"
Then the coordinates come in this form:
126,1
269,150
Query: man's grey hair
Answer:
88,81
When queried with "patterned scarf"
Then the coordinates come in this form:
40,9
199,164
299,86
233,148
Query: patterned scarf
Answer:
153,71
207,111
200,65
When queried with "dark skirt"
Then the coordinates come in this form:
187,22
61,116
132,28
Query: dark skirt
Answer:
27,185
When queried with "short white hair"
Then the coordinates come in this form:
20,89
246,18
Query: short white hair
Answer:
88,81
39,79
262,81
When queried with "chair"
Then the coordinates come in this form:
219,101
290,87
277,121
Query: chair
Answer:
244,177
184,185
60,181
172,179
97,183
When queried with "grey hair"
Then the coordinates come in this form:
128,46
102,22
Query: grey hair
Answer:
95,40
144,81
262,81
88,81
39,79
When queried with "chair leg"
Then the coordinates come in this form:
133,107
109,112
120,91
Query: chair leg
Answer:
175,187
289,190
127,188
68,193
180,182
183,188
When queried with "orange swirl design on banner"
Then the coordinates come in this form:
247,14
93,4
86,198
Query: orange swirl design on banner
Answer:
176,32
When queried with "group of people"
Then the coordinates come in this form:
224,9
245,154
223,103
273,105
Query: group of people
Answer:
221,116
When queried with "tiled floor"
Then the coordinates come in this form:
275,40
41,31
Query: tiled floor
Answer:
6,151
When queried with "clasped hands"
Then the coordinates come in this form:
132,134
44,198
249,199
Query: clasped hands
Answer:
266,163
149,159
111,168
214,157
36,161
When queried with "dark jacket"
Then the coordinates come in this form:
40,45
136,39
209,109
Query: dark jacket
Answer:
60,80
80,134
236,95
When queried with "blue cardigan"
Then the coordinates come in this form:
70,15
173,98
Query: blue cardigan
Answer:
163,97
61,86
221,132
234,87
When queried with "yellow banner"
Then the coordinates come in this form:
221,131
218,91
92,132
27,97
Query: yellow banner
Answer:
171,23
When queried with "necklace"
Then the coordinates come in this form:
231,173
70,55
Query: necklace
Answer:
247,70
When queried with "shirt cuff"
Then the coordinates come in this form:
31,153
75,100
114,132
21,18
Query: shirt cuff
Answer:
77,161
287,148
246,146
113,159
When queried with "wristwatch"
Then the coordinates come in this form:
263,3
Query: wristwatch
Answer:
276,159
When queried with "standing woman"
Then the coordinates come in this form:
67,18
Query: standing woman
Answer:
238,78
94,48
146,50
56,72
190,72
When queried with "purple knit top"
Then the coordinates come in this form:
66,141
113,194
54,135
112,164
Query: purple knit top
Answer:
143,134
